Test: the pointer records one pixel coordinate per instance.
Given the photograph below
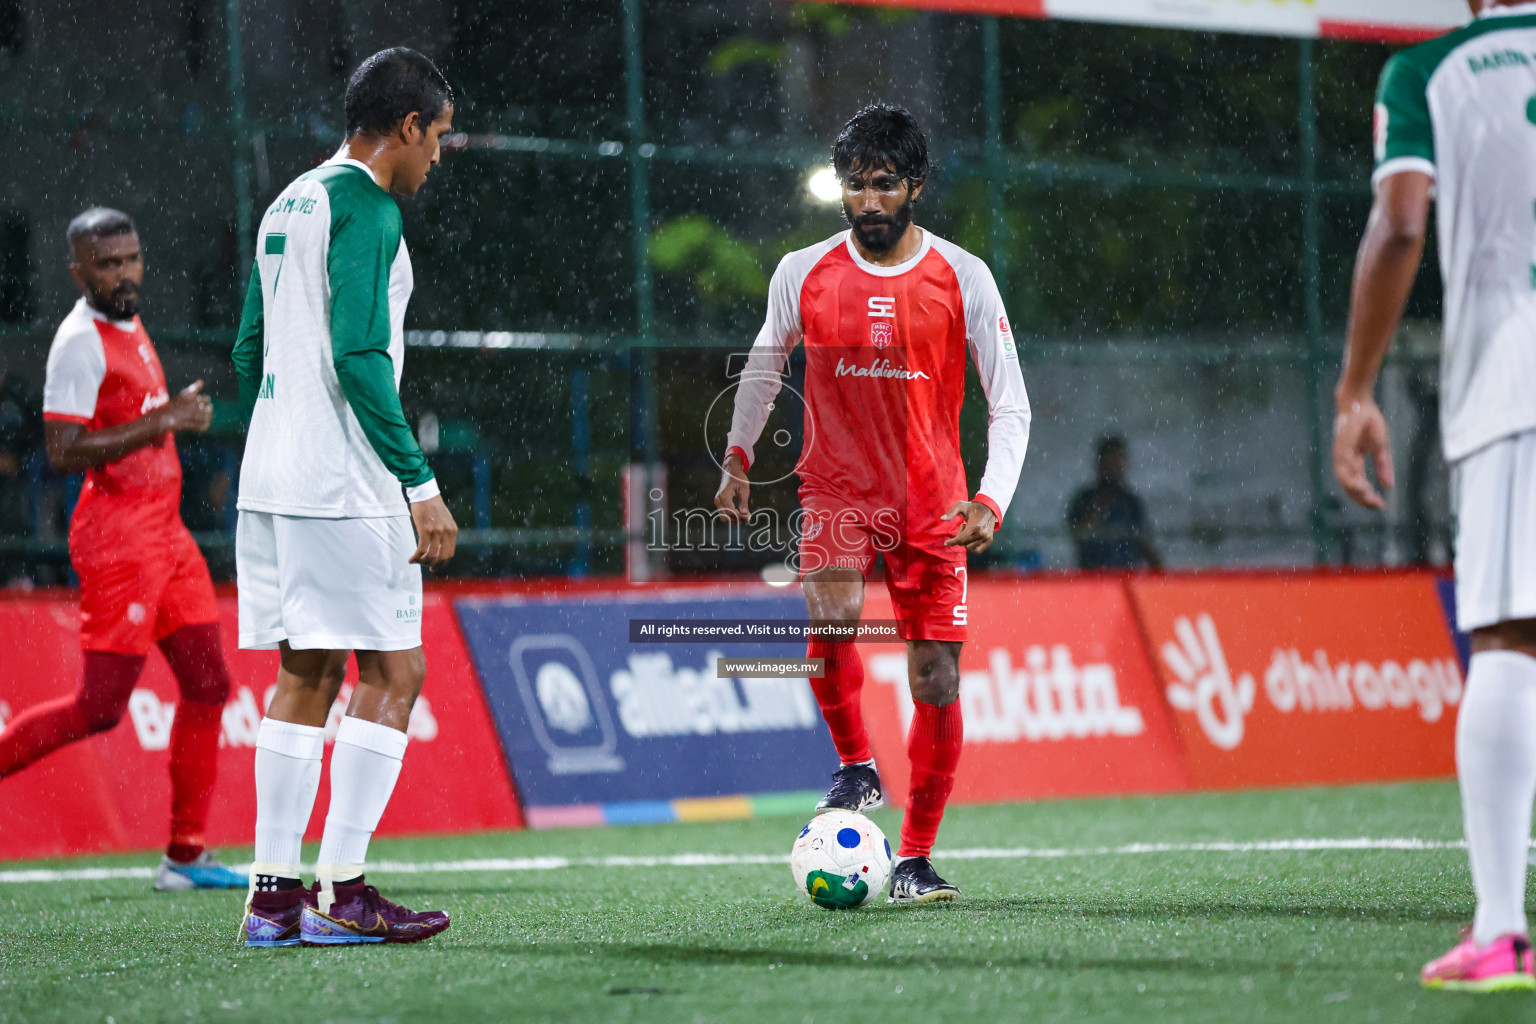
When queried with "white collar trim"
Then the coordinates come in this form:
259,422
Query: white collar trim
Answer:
898,269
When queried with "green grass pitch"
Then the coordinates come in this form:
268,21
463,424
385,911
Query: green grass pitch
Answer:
1092,934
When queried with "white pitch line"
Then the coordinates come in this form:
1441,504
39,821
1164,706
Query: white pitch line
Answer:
692,860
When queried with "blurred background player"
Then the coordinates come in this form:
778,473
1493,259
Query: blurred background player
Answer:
1454,121
143,580
887,312
331,485
1107,520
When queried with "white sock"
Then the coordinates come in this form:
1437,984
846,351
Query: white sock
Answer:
287,777
364,767
1496,763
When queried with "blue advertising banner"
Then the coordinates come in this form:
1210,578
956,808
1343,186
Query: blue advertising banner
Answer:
601,730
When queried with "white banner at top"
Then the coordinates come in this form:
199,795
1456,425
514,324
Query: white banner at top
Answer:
1393,21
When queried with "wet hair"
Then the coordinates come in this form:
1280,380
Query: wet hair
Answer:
1110,443
881,135
99,222
391,84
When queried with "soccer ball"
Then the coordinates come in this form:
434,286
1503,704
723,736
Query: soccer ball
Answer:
841,859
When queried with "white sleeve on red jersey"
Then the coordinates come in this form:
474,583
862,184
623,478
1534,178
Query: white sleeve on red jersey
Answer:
990,340
77,364
763,375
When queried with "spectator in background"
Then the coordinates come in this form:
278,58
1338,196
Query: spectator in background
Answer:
21,436
1107,521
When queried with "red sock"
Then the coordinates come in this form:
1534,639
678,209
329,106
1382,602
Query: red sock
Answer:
933,747
194,769
838,692
97,706
40,730
196,657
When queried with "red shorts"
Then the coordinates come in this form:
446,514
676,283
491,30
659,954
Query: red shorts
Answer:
927,585
138,588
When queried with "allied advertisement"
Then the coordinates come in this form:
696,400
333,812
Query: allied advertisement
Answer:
1391,21
112,791
603,722
1291,680
1055,691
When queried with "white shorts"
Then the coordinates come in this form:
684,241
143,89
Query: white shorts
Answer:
1495,495
327,584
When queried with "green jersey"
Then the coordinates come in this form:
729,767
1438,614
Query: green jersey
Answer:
1462,109
320,352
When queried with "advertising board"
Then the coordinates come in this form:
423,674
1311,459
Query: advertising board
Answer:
598,728
1291,680
112,791
1055,690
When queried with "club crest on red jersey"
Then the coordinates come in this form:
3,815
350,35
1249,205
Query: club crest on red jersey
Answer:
881,334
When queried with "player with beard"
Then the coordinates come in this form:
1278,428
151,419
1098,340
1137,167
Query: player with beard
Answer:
143,582
887,312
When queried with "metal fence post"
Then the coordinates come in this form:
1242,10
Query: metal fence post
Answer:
234,56
1311,274
640,226
992,71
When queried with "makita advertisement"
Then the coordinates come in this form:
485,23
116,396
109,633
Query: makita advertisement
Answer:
589,718
1055,692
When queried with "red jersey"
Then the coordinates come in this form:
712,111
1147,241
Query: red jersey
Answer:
885,379
104,373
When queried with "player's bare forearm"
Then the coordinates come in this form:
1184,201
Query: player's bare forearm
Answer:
977,529
1385,268
735,490
74,449
1384,272
437,535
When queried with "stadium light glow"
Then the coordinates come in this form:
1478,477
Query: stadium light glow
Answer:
824,186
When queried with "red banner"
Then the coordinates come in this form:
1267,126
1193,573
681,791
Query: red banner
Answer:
1056,693
1305,679
112,792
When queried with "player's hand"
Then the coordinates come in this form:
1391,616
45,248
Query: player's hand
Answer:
437,535
980,525
1360,435
731,498
189,410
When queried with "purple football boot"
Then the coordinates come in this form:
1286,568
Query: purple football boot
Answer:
274,918
360,915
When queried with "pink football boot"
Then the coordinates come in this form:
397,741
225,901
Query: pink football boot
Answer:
1504,963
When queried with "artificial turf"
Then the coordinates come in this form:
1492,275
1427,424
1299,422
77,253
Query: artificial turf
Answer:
1202,935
